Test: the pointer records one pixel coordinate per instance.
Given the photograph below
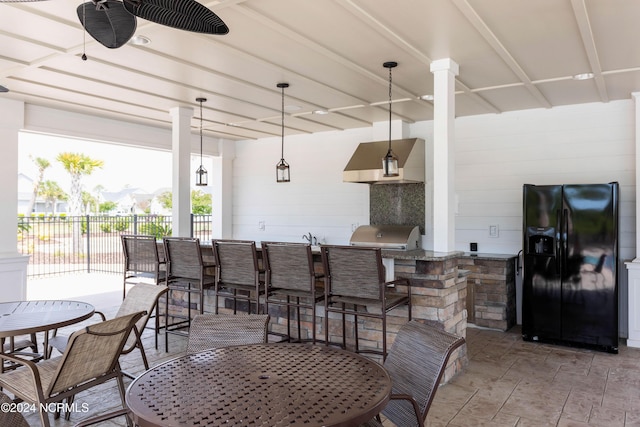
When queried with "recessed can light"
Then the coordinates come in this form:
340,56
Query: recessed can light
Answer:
140,40
583,76
427,97
320,112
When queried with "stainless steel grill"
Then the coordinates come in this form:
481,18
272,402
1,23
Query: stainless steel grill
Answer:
398,237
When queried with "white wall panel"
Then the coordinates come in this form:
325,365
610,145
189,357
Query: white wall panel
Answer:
315,201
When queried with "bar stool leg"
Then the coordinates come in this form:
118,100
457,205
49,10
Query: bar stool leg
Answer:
344,328
298,314
355,327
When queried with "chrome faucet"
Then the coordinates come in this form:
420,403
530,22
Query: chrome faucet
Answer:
311,239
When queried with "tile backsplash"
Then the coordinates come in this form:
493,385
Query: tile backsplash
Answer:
398,204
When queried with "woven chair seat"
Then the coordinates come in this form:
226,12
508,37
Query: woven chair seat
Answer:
277,292
392,299
23,380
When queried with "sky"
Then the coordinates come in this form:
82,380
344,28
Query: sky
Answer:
124,166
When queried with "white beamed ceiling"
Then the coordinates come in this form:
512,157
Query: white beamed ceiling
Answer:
513,55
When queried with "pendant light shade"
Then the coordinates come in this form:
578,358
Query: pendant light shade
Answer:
282,168
390,161
202,178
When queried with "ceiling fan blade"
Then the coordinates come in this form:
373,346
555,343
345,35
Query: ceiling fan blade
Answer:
109,23
186,15
3,89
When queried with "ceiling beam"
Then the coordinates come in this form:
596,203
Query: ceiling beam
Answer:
582,17
484,30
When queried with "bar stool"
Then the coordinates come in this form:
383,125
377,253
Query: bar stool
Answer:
238,270
186,272
142,264
290,274
355,277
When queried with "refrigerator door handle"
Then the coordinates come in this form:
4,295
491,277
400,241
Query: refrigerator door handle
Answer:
558,239
564,235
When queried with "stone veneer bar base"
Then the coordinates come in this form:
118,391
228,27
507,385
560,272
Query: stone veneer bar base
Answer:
491,301
439,290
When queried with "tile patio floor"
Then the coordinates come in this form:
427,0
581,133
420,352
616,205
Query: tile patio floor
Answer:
507,382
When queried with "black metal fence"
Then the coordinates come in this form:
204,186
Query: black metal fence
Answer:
61,244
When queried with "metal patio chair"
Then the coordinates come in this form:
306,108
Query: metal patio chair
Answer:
238,271
355,277
141,297
291,280
416,362
90,358
187,272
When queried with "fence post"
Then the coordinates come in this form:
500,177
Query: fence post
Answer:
135,224
192,227
88,243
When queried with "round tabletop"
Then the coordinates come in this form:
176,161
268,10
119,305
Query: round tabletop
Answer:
261,385
27,317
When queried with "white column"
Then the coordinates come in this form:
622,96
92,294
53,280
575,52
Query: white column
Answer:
181,173
633,268
444,73
13,266
222,179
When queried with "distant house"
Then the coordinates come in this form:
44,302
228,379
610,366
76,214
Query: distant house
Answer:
129,200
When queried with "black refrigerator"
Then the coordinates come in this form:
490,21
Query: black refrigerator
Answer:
570,276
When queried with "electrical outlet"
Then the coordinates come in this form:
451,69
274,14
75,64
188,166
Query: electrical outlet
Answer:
261,225
354,226
473,247
494,231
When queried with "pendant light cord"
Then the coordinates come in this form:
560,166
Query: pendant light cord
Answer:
390,68
282,126
201,132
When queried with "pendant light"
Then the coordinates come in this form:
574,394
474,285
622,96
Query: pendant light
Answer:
390,161
201,173
282,168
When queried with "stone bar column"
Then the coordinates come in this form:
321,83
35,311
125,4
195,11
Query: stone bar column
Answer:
444,73
633,267
13,266
181,172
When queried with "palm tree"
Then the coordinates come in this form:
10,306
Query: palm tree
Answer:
77,165
52,192
42,164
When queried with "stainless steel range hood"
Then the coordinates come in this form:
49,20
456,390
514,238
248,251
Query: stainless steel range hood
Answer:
365,165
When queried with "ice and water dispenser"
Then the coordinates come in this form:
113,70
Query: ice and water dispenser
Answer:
540,241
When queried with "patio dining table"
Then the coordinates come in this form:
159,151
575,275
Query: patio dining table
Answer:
267,385
29,317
